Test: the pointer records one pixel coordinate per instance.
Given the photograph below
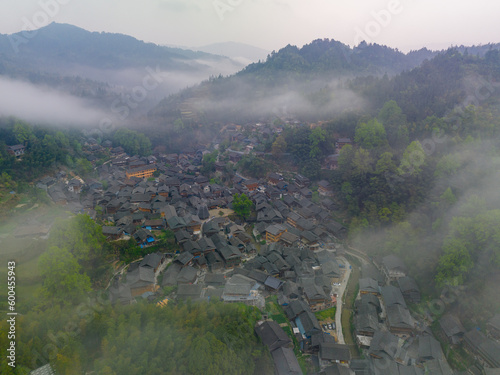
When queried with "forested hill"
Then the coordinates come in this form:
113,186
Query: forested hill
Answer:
100,66
63,46
329,56
435,87
326,78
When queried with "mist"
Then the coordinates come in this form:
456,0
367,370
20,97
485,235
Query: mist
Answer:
39,104
251,101
419,239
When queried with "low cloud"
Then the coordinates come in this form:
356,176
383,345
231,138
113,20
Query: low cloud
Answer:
247,100
39,104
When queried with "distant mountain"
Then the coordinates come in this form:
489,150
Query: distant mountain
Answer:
319,81
333,58
336,59
66,46
294,81
236,51
102,67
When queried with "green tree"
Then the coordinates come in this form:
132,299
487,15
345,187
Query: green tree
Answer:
133,142
413,160
23,132
362,163
82,237
83,167
208,163
400,237
279,146
454,264
346,158
370,134
448,165
62,276
448,198
242,205
317,139
385,164
394,122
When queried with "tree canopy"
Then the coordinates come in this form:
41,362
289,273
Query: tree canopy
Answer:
242,205
133,142
63,278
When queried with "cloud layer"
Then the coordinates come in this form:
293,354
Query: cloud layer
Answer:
39,105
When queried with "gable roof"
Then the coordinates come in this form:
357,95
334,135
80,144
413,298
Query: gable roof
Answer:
258,276
384,342
429,348
152,260
392,262
392,296
451,325
314,292
334,352
111,231
142,235
229,252
309,322
170,274
399,317
273,283
185,291
407,284
272,335
176,222
368,285
295,308
44,370
214,279
184,258
141,276
187,275
285,362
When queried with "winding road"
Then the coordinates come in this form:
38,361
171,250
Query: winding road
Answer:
340,300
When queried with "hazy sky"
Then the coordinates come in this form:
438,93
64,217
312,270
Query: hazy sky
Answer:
270,24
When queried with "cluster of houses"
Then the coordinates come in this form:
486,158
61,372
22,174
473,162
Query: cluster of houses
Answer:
300,278
212,248
137,196
485,346
394,342
217,259
384,328
285,362
250,136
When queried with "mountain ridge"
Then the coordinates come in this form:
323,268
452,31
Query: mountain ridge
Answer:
315,76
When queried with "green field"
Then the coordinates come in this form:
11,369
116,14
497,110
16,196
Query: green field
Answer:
328,314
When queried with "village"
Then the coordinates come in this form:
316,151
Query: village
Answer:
290,255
